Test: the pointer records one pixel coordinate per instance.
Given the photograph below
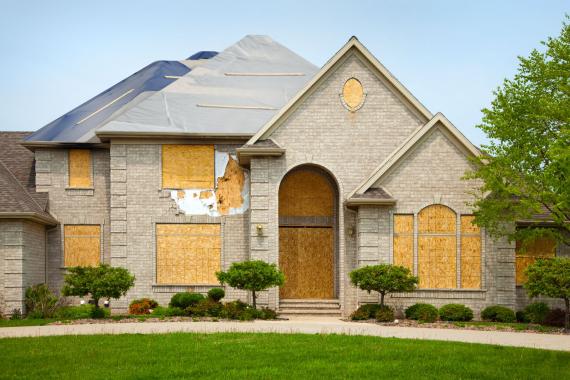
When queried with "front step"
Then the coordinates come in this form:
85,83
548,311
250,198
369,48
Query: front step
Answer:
309,307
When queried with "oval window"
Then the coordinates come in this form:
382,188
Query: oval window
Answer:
353,94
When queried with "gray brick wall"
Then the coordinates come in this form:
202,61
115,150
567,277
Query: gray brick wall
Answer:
73,206
22,261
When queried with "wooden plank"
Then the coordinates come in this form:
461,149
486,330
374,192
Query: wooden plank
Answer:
404,241
306,193
188,254
471,262
437,219
82,245
188,166
467,225
230,186
307,259
80,168
525,256
352,93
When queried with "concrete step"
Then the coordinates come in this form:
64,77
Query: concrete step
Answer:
324,306
309,307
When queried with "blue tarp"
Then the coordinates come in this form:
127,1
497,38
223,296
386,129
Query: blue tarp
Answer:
203,55
79,124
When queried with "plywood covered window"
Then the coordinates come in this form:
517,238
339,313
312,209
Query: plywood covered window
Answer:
404,241
188,166
540,248
188,254
470,253
82,245
80,168
437,247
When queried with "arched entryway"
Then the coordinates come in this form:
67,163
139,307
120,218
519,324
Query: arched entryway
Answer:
308,233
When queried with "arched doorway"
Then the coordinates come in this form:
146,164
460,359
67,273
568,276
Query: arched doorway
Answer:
308,233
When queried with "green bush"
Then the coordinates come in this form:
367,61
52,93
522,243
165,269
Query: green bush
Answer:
142,306
455,312
216,294
185,299
366,311
555,317
16,315
536,312
266,313
384,314
359,315
81,312
41,302
232,310
521,317
205,308
422,312
498,313
161,311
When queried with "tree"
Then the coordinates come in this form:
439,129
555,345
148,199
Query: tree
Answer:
253,275
384,279
525,169
102,281
550,278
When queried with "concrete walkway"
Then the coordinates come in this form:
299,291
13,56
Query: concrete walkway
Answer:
303,326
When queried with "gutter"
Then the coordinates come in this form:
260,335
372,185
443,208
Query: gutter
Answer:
355,202
33,216
244,154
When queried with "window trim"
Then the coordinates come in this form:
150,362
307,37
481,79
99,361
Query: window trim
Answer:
68,186
101,241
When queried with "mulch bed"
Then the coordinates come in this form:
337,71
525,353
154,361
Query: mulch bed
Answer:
531,328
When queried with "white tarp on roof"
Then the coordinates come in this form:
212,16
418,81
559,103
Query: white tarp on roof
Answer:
235,93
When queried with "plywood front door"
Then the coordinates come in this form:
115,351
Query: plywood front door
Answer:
307,260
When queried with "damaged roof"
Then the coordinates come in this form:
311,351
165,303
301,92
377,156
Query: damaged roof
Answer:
231,93
18,196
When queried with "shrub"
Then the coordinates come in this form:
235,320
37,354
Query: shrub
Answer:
205,308
142,306
185,299
232,310
521,317
384,279
555,317
41,302
366,311
385,314
255,276
16,315
422,312
498,313
102,281
536,312
75,312
455,312
160,311
216,294
266,313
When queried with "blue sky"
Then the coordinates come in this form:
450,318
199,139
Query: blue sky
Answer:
450,54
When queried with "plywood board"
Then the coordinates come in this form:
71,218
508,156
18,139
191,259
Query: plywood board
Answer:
188,254
230,186
470,262
82,245
306,256
306,193
541,248
187,166
437,219
437,262
467,225
352,93
80,168
404,241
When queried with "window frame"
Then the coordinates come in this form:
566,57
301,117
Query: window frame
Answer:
91,186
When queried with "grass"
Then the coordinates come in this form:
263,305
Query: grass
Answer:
25,322
264,356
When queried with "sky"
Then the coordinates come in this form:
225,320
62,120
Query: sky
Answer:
451,55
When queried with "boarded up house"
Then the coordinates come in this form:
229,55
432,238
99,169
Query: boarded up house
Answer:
253,153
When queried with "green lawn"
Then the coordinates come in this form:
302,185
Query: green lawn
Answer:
25,322
264,356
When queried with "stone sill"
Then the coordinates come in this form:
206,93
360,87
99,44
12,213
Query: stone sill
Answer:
443,294
76,191
198,288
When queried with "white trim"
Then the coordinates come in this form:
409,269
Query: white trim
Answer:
105,106
352,43
409,143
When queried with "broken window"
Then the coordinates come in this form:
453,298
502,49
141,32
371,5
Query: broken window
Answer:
82,245
188,254
79,166
188,167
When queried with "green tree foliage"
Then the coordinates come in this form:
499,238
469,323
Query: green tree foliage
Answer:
253,275
384,279
525,169
102,281
550,278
